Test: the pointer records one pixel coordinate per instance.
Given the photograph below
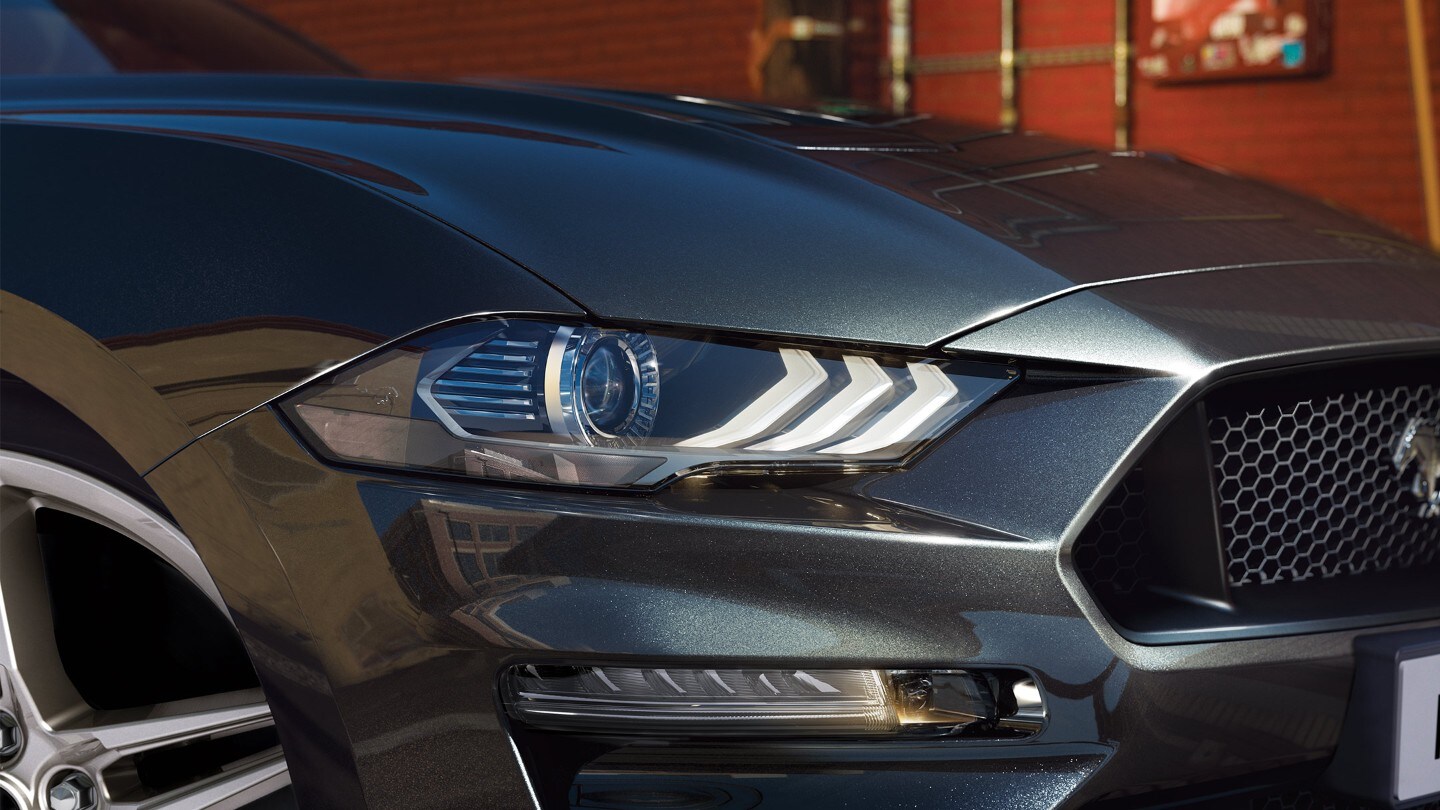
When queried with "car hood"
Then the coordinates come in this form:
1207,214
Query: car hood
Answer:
672,210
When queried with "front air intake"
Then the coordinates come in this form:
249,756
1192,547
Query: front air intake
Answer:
1276,504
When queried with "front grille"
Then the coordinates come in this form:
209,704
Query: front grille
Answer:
1278,500
1308,489
1111,553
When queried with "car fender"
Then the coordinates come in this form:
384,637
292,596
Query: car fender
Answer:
221,275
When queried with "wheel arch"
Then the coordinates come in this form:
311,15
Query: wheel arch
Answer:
68,398
116,429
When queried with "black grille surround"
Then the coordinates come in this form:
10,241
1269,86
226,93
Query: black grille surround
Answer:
1272,506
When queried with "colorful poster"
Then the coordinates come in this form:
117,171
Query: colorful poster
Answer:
1203,40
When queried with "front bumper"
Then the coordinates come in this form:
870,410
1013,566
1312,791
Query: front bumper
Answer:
380,612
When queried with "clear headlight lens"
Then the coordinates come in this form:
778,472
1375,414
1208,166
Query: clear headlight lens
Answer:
527,400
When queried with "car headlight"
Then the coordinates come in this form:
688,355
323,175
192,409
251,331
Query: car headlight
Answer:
522,399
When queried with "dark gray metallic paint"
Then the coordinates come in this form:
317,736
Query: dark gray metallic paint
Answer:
1000,222
332,191
1074,438
1191,325
660,581
822,253
288,272
276,239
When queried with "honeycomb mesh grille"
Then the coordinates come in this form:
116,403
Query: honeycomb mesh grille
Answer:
1307,489
1110,553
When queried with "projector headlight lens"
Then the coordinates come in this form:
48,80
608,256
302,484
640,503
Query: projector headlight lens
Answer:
528,400
610,387
600,386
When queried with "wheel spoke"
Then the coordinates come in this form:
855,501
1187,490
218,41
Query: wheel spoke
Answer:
13,517
172,723
226,791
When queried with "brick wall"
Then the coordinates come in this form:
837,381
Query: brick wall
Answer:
1348,137
1080,100
697,47
956,27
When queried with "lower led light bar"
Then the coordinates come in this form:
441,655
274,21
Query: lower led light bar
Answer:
774,702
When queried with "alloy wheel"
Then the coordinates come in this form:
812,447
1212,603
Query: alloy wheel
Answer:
56,751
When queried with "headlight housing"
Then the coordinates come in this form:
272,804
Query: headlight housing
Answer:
542,401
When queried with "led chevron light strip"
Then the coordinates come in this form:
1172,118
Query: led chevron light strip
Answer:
848,409
933,390
868,383
803,377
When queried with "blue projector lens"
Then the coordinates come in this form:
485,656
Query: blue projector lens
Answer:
610,386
